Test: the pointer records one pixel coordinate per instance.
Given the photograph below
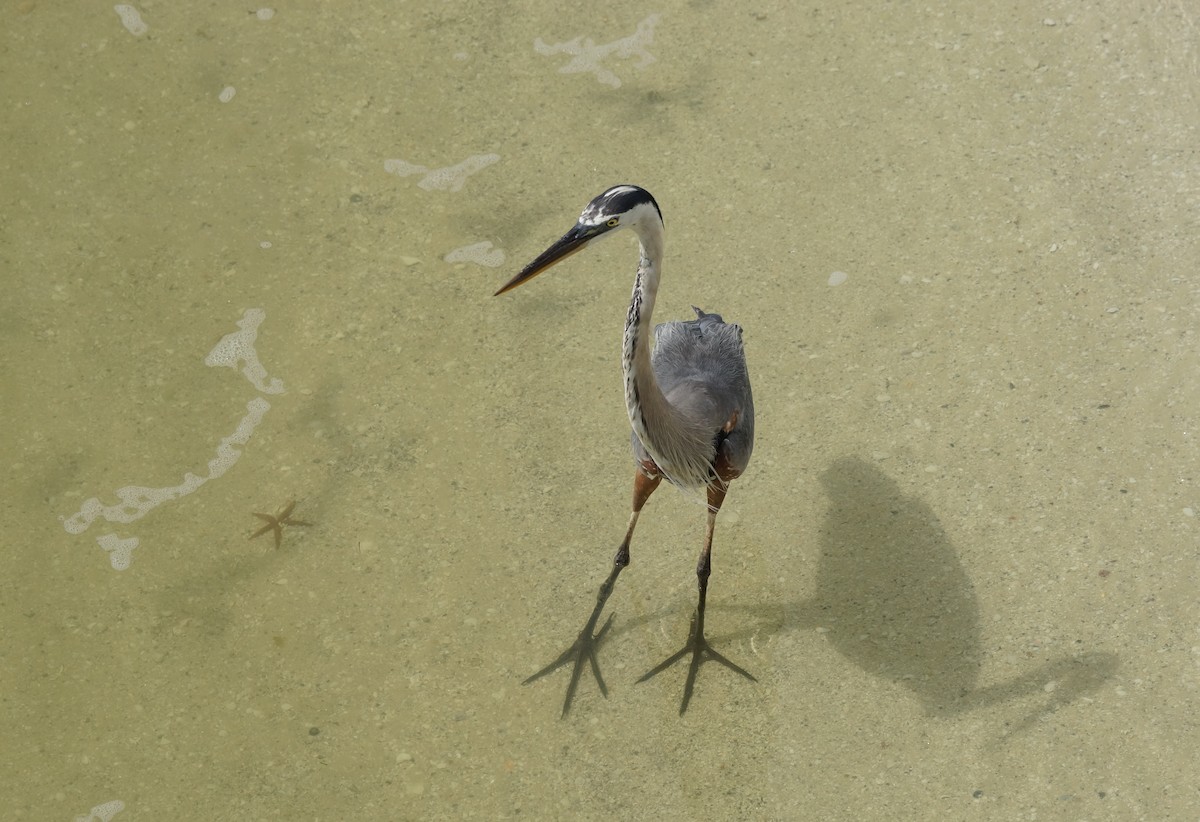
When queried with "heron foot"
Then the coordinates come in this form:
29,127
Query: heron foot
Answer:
701,652
583,649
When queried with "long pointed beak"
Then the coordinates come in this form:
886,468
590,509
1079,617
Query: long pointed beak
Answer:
568,244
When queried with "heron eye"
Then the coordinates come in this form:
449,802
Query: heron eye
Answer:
613,222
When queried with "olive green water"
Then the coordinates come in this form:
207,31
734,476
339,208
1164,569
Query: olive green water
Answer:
962,564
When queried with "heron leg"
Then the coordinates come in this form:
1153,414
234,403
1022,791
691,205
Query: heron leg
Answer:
697,645
585,646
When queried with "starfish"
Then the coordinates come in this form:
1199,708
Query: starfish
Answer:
276,523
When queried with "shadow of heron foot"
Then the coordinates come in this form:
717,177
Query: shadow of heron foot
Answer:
583,649
701,652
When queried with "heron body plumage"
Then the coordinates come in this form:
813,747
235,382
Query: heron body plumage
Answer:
701,371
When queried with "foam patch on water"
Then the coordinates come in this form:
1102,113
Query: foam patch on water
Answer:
238,347
138,500
120,551
131,19
103,813
451,178
589,57
135,501
479,253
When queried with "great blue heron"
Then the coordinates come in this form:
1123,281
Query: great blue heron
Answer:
689,404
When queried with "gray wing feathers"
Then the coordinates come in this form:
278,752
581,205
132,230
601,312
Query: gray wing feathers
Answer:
701,368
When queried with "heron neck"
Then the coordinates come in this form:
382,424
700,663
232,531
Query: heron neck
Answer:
681,447
644,400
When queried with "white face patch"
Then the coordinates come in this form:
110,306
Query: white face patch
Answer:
592,216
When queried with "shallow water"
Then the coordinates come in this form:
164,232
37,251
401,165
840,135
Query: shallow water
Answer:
962,564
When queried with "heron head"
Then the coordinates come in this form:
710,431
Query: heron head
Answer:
622,206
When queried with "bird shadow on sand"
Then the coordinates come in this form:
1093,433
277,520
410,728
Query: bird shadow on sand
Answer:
893,598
